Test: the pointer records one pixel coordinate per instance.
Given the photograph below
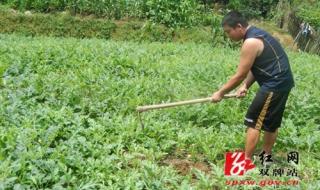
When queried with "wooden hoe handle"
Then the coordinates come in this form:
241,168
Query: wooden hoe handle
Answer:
180,103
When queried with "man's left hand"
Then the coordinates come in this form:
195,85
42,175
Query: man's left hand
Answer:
217,97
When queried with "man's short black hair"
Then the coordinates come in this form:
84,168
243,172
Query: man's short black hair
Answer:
233,18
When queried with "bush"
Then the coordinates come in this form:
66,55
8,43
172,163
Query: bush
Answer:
253,8
310,13
51,25
172,13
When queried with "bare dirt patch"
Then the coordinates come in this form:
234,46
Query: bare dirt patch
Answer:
184,166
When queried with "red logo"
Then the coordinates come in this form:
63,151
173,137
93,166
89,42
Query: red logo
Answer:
236,164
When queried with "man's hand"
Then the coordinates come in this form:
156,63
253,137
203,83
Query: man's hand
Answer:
217,97
242,91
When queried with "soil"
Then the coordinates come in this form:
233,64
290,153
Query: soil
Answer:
184,166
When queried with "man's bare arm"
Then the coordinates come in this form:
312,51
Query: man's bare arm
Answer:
242,91
249,52
249,80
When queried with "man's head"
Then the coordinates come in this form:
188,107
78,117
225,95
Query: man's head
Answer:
234,25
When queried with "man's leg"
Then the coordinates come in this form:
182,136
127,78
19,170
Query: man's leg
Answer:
268,141
252,139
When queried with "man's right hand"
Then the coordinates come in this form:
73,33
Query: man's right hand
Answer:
242,91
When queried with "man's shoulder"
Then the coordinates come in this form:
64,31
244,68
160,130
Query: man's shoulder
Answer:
252,43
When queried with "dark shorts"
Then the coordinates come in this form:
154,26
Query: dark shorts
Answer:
266,110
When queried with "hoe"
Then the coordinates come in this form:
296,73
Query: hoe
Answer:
141,109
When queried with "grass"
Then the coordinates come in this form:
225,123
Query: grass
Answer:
67,115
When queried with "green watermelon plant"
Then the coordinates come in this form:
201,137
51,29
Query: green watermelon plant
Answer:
68,120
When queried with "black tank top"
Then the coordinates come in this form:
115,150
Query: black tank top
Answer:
271,69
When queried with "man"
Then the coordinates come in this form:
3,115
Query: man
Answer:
262,59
